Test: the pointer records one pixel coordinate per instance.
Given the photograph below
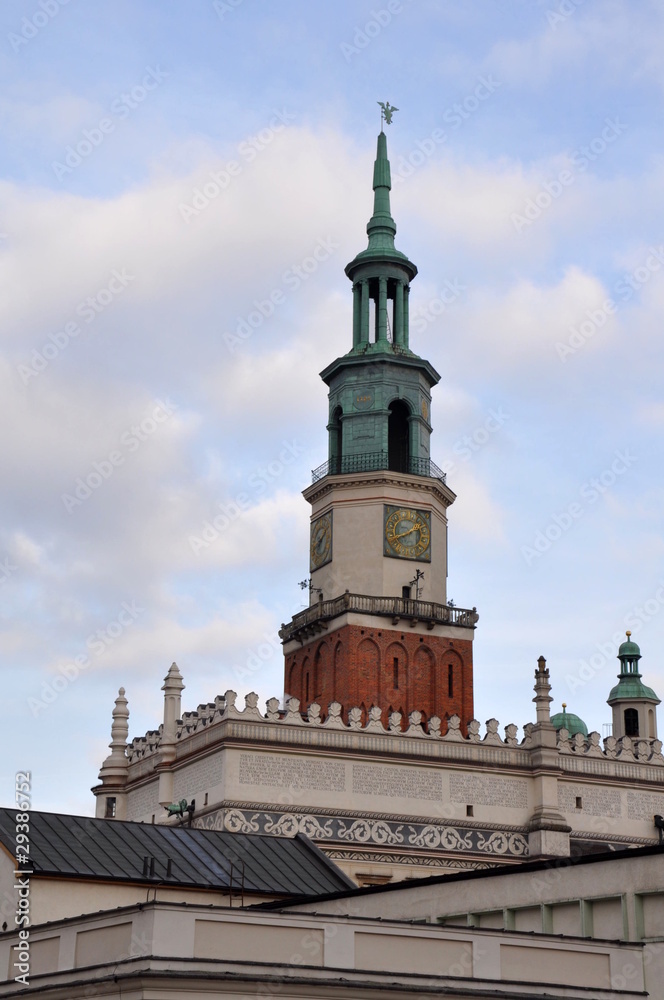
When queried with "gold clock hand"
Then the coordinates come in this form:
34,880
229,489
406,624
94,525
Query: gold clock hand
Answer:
402,534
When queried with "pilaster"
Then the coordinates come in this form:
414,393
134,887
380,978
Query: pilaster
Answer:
548,829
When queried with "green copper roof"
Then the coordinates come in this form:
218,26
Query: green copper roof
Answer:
629,649
630,687
567,720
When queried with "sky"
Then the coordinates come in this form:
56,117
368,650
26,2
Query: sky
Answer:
167,173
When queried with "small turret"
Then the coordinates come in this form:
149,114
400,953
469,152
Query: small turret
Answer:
633,704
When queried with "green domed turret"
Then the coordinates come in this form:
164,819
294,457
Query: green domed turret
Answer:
629,684
632,703
567,720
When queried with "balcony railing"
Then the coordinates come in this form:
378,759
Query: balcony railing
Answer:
312,619
374,462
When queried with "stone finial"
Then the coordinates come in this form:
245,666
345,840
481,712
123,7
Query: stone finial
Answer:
394,723
374,724
313,714
293,713
542,689
272,705
173,680
119,733
473,731
454,729
172,688
114,772
434,726
492,734
355,718
510,735
334,720
251,710
415,724
120,726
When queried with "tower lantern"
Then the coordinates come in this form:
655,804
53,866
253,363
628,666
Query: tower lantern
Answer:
379,631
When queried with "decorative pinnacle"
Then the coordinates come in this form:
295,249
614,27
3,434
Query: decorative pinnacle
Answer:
628,633
173,680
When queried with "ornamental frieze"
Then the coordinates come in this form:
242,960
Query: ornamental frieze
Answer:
345,830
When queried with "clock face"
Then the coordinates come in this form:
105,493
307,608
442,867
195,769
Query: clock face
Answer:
407,533
320,550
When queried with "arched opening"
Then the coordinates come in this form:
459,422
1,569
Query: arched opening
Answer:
651,724
336,442
631,722
398,437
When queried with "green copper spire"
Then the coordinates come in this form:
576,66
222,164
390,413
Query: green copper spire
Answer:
381,274
381,228
380,391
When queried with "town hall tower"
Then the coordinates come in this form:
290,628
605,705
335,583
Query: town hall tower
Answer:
379,631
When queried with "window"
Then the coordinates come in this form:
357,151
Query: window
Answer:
450,680
395,665
631,722
470,811
336,442
579,802
110,808
398,437
405,593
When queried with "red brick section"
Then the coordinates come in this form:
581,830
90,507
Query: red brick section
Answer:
396,669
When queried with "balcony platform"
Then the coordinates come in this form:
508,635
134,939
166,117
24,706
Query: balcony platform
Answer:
314,619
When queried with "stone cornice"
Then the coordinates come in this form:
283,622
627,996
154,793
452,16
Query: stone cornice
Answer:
353,480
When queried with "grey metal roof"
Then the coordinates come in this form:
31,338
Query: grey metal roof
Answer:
113,850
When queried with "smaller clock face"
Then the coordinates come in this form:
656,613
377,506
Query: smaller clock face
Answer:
320,550
407,533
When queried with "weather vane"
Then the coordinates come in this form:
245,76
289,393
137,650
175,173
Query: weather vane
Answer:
386,112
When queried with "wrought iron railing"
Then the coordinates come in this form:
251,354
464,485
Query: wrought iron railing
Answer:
393,607
373,462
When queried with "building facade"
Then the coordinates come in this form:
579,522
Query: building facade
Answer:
374,752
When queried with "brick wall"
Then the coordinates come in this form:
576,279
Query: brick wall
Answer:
395,669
